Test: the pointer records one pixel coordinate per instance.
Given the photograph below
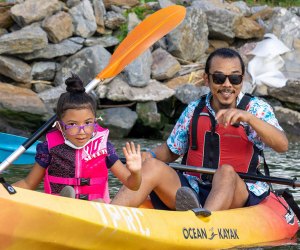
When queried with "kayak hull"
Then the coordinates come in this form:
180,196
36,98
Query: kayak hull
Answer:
10,143
34,220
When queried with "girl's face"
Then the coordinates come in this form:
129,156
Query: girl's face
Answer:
73,118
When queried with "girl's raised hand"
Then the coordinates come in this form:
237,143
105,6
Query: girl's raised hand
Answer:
133,157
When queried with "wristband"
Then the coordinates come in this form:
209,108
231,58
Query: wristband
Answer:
152,153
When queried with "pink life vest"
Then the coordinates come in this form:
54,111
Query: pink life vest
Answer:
85,169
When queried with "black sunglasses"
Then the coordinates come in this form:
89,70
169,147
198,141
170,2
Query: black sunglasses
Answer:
220,78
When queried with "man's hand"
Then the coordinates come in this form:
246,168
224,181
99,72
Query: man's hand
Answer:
232,116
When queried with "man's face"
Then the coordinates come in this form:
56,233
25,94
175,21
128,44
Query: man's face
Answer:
224,94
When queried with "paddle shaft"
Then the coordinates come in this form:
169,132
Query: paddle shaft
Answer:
289,182
269,179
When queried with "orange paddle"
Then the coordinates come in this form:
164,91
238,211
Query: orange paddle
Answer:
142,37
138,40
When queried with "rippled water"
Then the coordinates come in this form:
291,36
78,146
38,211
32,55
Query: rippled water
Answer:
285,165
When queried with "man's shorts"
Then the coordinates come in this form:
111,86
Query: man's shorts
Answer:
203,190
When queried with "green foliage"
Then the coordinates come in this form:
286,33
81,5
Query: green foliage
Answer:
122,32
141,11
281,3
146,1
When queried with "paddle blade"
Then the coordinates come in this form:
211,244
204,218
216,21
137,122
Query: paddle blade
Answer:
142,37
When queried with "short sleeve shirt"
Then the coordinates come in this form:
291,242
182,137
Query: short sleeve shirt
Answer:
178,139
43,157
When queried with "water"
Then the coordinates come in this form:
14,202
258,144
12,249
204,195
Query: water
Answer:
285,165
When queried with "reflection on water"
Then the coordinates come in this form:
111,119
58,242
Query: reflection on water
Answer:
285,165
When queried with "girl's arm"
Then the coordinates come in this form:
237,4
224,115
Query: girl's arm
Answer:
130,175
33,179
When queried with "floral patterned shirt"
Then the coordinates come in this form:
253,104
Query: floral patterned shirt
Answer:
178,140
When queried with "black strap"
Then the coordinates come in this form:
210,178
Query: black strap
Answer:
196,114
242,105
244,101
83,197
286,194
266,167
7,186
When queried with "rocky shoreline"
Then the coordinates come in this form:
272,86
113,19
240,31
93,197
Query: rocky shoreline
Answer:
42,42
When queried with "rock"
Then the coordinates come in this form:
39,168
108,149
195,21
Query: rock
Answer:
32,11
148,114
245,28
5,18
58,27
119,121
189,40
43,71
189,93
21,107
66,47
290,122
15,69
154,91
129,3
87,64
84,19
26,40
288,94
139,71
164,65
114,20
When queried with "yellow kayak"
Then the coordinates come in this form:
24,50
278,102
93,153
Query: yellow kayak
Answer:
34,220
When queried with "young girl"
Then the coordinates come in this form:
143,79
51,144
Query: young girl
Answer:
78,154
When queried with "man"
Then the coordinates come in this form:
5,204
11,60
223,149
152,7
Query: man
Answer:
225,130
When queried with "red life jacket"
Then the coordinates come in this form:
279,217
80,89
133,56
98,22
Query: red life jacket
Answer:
212,145
85,169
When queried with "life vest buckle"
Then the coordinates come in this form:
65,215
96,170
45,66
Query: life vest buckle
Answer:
84,181
83,196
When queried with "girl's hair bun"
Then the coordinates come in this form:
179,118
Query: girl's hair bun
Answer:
74,84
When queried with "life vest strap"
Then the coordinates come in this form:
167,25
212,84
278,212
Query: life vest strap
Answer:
88,196
194,121
76,181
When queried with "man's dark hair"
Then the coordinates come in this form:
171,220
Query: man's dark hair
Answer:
224,53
